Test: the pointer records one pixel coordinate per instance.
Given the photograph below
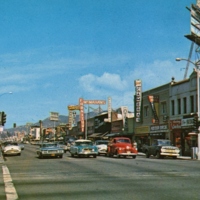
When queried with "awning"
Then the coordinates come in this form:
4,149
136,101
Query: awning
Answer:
95,134
112,134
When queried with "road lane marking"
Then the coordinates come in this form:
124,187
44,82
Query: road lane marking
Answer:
11,193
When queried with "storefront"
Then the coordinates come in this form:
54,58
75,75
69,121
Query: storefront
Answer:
184,136
141,136
159,132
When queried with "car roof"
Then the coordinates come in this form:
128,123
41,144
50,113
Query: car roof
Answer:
121,138
83,140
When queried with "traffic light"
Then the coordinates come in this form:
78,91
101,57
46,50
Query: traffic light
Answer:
3,118
195,122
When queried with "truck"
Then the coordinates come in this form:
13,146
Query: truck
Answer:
162,148
121,147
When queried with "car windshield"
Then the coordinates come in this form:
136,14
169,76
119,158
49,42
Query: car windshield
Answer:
83,143
123,141
101,142
11,144
48,145
164,142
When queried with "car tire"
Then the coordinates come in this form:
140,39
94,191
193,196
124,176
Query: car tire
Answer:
94,156
158,156
40,156
19,154
174,157
61,156
147,154
133,157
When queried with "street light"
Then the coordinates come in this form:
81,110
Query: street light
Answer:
196,64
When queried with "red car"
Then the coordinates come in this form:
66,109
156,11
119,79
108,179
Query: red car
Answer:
121,146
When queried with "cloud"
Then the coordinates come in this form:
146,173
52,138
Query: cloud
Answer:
156,73
107,81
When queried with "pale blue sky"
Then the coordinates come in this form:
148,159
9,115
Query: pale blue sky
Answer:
52,52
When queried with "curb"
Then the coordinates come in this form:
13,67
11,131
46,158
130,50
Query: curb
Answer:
179,157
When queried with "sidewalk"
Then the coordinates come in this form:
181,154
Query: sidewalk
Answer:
179,157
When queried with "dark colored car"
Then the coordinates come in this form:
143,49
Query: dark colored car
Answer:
50,150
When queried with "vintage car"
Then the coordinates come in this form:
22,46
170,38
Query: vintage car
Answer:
121,146
63,146
84,148
162,148
11,148
50,150
102,146
21,145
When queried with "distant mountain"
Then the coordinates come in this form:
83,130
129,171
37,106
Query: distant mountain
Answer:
47,123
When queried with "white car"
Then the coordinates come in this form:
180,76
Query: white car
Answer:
11,148
63,146
102,146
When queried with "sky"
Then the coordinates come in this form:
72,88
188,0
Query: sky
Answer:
53,52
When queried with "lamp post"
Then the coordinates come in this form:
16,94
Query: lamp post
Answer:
196,64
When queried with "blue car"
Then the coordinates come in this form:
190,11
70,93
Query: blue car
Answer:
83,148
50,150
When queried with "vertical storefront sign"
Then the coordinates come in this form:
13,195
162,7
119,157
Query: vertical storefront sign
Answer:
81,113
138,100
154,100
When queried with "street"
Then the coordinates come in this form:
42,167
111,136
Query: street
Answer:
100,178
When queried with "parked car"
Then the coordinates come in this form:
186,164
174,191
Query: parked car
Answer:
21,146
102,146
69,142
50,150
63,146
11,148
84,148
35,142
121,146
162,148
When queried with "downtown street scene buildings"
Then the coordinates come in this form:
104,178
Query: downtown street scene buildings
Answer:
169,111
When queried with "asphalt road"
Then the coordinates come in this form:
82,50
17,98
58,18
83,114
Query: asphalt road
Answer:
98,178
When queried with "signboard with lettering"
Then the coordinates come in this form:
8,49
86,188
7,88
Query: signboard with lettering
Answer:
138,100
74,107
187,122
154,99
81,104
158,128
94,102
54,116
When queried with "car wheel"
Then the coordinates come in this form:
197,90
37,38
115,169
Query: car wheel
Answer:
174,157
147,154
19,154
40,156
72,155
116,154
158,156
133,157
94,156
61,156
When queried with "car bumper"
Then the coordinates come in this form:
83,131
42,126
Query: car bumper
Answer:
169,154
127,154
52,155
102,152
88,153
11,153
